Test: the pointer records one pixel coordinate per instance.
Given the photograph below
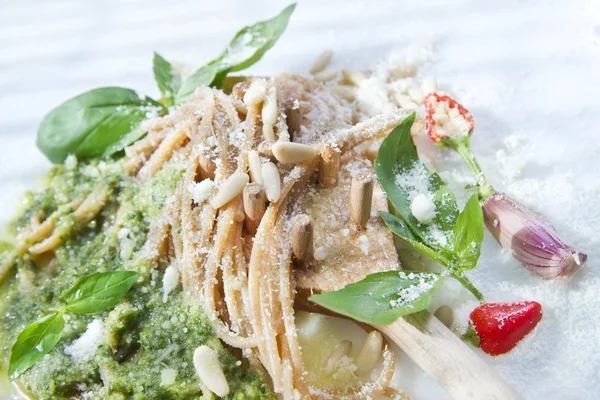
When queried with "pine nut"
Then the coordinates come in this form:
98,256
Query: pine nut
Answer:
369,353
329,165
229,189
269,113
353,76
210,371
326,75
340,350
302,239
256,92
265,149
255,166
255,201
271,181
321,62
292,153
361,197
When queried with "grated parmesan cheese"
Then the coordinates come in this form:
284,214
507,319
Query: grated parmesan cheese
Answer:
170,281
86,345
167,376
201,191
423,208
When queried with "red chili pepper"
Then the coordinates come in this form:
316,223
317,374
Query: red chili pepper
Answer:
439,129
500,326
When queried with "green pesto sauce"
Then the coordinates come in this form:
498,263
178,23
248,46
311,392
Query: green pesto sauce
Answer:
143,335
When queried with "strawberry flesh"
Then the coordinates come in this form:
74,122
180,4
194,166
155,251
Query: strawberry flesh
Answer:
500,326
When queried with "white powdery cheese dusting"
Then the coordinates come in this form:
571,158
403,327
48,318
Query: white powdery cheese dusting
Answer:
423,208
170,281
167,376
201,191
84,348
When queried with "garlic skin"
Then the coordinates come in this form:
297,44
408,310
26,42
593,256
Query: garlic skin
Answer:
531,241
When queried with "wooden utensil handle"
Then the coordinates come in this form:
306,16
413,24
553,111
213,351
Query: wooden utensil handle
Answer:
447,359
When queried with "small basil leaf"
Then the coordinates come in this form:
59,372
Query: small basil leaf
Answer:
399,228
93,123
98,292
400,172
167,78
34,342
468,234
383,297
246,48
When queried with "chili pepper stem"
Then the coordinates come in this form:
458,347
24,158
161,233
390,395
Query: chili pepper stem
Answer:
463,148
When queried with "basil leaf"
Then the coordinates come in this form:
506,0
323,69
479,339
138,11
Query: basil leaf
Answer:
245,49
167,78
468,234
399,228
98,292
95,123
34,342
383,297
399,172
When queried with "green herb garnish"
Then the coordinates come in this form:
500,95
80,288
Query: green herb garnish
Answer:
452,239
91,294
383,297
105,120
95,123
167,79
246,48
100,291
34,342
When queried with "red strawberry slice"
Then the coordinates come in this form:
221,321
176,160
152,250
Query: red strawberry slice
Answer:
500,326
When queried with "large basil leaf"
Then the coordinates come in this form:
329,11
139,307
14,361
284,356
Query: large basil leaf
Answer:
468,234
99,122
167,78
98,292
246,48
34,342
383,297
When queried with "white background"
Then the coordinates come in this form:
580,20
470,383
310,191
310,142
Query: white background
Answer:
528,70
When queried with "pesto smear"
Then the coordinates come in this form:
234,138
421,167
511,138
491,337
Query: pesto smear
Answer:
141,349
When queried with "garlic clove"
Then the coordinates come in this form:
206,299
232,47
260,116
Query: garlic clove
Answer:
532,242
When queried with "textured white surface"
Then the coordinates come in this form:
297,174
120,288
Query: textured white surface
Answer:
528,70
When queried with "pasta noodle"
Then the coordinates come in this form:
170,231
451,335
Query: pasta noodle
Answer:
249,299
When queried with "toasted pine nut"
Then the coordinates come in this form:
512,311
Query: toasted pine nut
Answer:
353,76
269,113
340,350
255,166
292,153
369,353
228,190
321,62
326,75
210,371
255,94
271,181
